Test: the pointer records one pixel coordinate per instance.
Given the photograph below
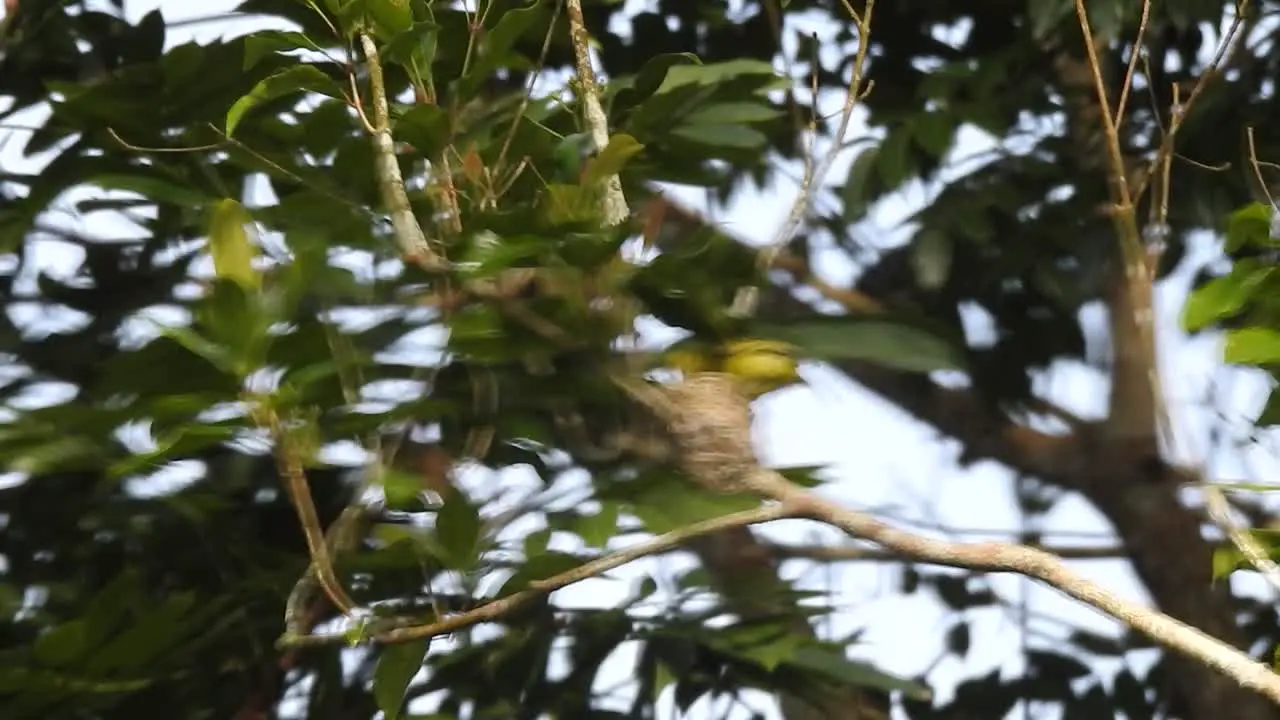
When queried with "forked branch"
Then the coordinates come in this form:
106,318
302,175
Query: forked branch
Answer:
1135,296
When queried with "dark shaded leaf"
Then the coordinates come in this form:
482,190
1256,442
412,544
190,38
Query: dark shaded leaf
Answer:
832,663
296,79
885,342
397,664
459,531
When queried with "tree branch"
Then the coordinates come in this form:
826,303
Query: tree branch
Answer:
413,242
614,202
999,557
496,609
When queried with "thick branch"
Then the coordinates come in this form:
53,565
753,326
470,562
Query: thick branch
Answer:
1135,491
614,202
998,557
413,242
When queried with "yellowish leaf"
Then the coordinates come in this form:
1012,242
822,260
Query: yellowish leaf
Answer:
231,244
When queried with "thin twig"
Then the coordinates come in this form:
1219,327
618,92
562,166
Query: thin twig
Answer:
345,534
1138,40
1257,167
818,171
1115,156
496,609
533,80
1179,114
290,465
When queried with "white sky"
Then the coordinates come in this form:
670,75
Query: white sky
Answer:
880,459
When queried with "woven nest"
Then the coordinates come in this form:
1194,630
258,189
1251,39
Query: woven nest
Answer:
710,419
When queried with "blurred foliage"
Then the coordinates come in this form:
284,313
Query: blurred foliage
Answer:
148,546
1243,304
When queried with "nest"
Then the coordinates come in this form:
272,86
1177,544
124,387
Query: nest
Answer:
710,419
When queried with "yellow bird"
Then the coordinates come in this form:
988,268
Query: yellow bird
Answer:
761,366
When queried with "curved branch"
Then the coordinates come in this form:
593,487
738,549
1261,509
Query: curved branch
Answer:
496,609
1000,557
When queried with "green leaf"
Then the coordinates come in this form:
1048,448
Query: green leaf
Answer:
165,368
154,189
414,48
397,664
1226,560
498,45
893,161
665,501
1270,415
663,676
489,254
392,537
1046,15
296,79
832,663
539,566
10,599
1250,226
650,78
147,41
402,490
806,476
158,629
62,644
733,113
535,543
1107,19
61,454
596,530
390,17
1252,346
931,259
885,342
229,243
238,323
714,74
1225,296
266,42
861,185
510,28
723,136
459,532
934,132
569,205
182,442
612,159
768,644
201,346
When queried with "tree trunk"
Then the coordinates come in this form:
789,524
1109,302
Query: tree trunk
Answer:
1174,561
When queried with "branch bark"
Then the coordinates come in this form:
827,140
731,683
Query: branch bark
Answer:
1200,647
1138,493
497,608
709,418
